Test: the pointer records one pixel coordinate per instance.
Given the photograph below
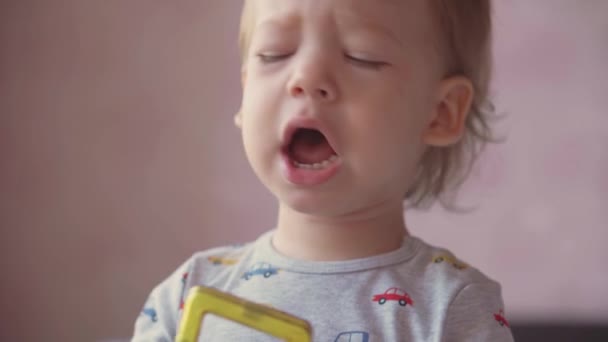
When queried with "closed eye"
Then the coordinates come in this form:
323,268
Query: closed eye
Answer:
271,58
376,65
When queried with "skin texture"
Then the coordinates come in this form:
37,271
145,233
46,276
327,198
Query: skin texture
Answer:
369,71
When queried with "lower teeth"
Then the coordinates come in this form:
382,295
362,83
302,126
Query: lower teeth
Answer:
316,166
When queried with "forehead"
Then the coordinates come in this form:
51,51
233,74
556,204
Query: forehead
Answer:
403,17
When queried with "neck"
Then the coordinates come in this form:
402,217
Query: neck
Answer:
352,236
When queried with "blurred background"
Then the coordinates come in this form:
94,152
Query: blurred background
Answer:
119,159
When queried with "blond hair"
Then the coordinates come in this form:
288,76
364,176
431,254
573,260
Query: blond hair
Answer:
464,32
465,37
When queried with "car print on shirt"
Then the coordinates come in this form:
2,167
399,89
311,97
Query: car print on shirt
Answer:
450,260
395,294
500,318
352,336
150,312
261,268
217,260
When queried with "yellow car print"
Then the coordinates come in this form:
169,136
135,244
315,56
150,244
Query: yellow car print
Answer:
451,260
216,260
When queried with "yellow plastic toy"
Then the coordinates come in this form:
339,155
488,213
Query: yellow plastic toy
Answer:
204,300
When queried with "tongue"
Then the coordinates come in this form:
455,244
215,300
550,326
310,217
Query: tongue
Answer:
309,146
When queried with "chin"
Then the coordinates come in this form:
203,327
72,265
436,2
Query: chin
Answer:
312,202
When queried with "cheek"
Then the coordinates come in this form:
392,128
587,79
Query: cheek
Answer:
254,107
262,95
389,116
386,136
259,126
396,143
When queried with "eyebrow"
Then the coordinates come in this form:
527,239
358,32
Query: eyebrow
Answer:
286,21
290,21
356,22
383,31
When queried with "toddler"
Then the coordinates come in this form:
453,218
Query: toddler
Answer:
350,109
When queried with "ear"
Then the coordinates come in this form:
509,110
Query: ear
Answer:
238,117
446,127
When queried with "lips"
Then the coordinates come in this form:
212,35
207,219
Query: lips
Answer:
308,170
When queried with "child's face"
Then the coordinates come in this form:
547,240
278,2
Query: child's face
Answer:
363,73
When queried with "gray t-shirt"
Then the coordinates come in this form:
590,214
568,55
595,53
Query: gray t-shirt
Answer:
416,293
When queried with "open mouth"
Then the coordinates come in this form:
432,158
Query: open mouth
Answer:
310,149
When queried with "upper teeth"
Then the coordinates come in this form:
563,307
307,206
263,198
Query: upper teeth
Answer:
316,166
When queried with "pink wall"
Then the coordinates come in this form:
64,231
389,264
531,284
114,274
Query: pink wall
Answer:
119,159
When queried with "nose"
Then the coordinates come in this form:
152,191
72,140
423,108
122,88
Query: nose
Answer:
313,78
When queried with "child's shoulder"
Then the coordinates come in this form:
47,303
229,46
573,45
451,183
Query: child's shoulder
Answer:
227,255
439,263
206,267
223,255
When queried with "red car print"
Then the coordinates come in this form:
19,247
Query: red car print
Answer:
184,279
500,318
393,294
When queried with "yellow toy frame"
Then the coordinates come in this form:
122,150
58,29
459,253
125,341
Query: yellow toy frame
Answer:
204,300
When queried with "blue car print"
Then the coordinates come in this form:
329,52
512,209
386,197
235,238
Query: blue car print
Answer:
261,268
150,312
352,336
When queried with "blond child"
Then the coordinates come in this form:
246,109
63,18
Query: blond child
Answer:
350,108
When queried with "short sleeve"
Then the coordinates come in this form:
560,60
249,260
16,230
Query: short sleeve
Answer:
477,314
160,314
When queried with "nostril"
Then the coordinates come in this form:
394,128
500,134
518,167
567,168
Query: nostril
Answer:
297,91
319,92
